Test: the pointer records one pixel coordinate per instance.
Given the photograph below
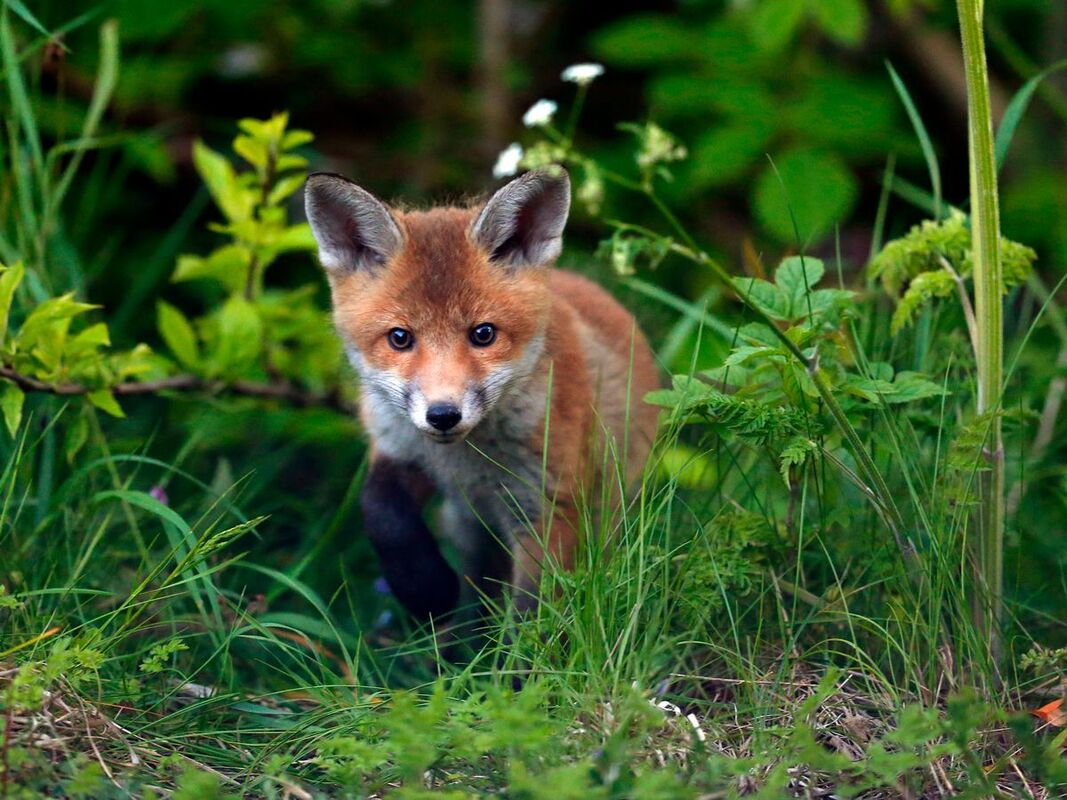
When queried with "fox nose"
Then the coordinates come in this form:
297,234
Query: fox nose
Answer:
443,416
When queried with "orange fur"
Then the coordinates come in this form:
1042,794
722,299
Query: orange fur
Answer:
439,285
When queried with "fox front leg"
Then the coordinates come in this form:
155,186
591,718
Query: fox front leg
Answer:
531,553
411,560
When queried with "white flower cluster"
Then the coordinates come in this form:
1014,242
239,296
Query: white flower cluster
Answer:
582,74
507,163
539,114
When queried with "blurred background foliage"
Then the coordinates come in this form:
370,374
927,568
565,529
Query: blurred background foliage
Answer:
785,108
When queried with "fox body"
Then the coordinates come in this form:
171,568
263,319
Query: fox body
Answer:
486,375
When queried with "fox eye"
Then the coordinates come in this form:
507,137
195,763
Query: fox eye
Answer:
483,335
400,339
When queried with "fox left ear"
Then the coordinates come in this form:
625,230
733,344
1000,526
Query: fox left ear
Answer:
353,228
522,224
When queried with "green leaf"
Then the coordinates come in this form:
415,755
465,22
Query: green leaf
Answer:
814,187
178,334
228,265
645,40
253,151
240,338
773,22
1016,109
797,277
296,138
843,20
911,386
925,141
794,454
233,199
11,401
285,187
745,353
47,323
77,436
725,153
145,501
105,401
765,296
10,279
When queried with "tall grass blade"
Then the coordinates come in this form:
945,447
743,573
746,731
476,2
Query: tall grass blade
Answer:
925,141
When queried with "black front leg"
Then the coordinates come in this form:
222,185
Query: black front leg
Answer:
412,562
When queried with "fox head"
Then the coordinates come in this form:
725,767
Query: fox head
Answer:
442,312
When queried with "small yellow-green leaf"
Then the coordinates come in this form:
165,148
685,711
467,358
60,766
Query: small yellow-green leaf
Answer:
10,279
105,401
42,320
11,401
285,187
296,138
178,334
295,237
233,199
228,265
252,150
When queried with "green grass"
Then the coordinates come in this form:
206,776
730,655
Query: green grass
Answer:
783,607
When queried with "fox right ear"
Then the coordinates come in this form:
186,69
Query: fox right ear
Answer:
353,228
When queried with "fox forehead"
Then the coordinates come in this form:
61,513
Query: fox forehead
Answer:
438,285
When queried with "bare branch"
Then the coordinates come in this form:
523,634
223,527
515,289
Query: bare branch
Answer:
278,390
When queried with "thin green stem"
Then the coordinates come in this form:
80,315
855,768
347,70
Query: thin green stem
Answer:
989,291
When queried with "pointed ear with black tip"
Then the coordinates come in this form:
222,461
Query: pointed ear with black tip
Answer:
354,230
522,224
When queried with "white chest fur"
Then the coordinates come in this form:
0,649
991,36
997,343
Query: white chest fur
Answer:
496,472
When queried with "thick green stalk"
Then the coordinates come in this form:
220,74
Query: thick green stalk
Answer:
989,299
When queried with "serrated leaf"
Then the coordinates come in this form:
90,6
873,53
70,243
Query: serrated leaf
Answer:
911,386
765,296
105,401
794,454
797,277
12,399
179,335
742,355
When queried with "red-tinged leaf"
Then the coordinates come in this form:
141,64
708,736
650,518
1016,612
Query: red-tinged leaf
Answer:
1052,713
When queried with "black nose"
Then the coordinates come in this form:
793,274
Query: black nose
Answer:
443,416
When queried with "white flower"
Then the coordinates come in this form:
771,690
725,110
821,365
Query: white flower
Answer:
582,74
540,113
507,163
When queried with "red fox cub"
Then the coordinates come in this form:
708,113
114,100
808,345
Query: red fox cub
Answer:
459,329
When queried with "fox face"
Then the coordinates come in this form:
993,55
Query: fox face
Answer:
442,312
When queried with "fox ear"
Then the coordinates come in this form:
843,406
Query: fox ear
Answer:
522,224
354,229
